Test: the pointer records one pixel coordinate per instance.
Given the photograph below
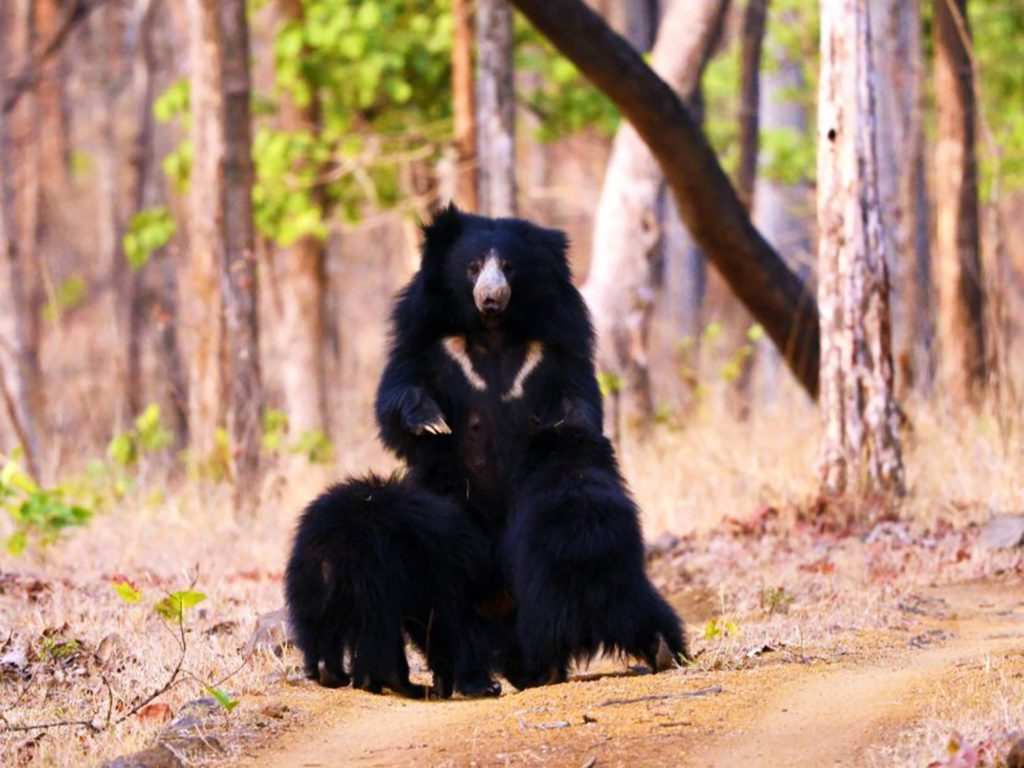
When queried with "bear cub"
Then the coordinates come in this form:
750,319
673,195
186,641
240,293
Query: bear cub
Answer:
377,560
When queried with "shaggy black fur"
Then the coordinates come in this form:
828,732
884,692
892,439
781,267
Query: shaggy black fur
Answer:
574,554
475,462
374,557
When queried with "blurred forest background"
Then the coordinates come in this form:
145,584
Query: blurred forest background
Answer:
206,208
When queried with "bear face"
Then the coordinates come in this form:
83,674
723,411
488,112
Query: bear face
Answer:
493,273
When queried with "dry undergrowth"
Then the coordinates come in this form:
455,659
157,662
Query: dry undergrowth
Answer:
773,582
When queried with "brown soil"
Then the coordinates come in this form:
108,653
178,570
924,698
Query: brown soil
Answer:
776,713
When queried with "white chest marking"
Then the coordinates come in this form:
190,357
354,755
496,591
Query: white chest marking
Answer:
455,346
534,356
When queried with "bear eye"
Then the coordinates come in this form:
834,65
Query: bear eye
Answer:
474,269
506,267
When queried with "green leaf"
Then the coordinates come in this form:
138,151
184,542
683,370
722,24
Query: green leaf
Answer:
127,592
755,333
609,383
174,606
225,701
17,542
122,451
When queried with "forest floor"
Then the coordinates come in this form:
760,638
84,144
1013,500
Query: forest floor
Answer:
898,642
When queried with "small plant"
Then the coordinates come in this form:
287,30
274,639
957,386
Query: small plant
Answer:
720,628
40,515
147,435
776,600
313,444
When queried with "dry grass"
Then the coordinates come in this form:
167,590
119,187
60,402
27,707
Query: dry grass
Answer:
789,589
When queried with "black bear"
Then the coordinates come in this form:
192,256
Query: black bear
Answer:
489,337
375,560
574,554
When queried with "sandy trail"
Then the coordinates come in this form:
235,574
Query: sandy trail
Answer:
781,715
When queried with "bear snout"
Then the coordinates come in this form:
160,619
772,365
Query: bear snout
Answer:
491,291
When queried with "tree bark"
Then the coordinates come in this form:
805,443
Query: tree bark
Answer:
302,281
464,96
751,41
14,379
200,300
496,108
23,223
624,270
861,452
957,241
712,212
897,50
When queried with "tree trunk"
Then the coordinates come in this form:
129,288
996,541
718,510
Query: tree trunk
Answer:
781,210
464,97
200,301
624,270
23,223
897,50
14,379
957,241
861,452
496,108
302,281
751,39
712,212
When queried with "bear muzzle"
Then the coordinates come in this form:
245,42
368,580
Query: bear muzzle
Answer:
491,291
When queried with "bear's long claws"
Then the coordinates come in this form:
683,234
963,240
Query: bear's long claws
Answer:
437,427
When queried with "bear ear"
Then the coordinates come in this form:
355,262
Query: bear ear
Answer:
442,231
554,244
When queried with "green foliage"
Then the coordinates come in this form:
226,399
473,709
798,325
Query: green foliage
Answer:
148,435
173,606
998,31
719,628
313,444
559,95
148,231
173,103
609,383
776,600
52,647
40,515
223,699
69,294
127,592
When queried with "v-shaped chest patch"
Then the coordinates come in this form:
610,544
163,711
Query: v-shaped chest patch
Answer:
455,348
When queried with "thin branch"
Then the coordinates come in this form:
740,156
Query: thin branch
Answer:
77,12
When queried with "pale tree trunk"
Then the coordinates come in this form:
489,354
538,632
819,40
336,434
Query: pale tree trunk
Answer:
624,270
896,44
636,20
22,168
200,299
861,452
302,282
781,211
15,395
53,129
496,108
957,238
464,102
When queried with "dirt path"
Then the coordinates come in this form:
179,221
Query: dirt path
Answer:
779,714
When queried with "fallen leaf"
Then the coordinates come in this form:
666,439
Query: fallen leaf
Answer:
157,712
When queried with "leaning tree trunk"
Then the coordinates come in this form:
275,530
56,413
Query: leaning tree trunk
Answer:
708,204
957,238
302,279
496,108
861,451
464,104
623,281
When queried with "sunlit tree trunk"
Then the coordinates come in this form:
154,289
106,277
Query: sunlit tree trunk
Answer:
23,183
464,103
302,285
957,237
496,108
624,271
15,395
861,451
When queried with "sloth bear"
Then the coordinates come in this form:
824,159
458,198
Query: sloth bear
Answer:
574,554
488,338
376,559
